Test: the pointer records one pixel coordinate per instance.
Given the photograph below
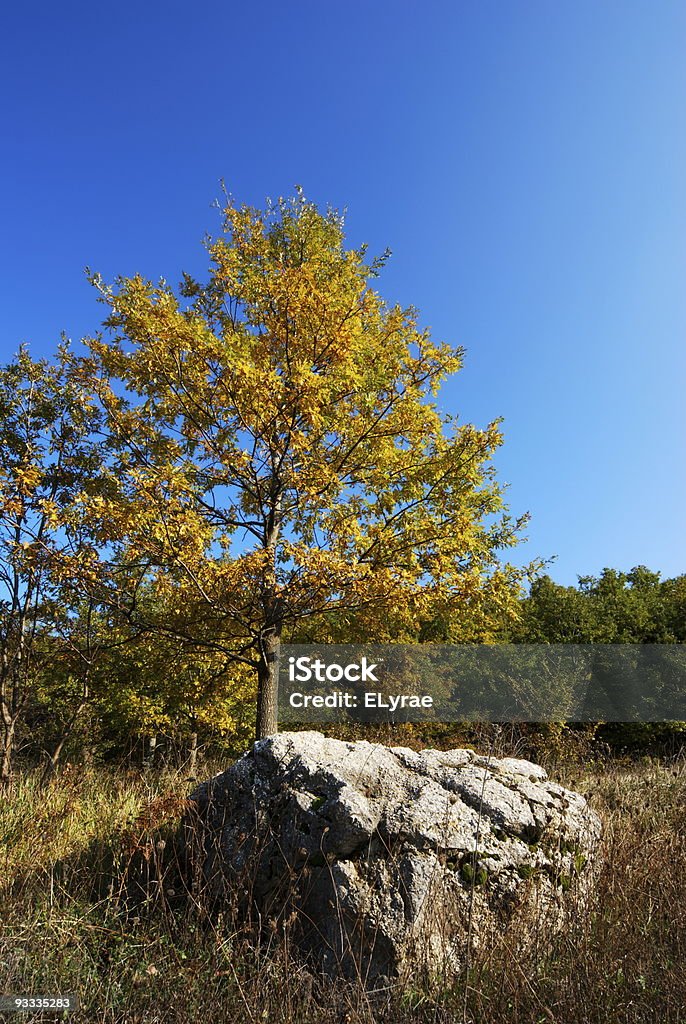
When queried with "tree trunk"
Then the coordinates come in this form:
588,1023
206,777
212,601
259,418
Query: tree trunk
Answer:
270,636
6,751
268,684
193,753
149,759
52,762
53,759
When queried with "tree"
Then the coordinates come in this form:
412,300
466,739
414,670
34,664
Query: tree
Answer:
553,614
635,607
276,450
47,457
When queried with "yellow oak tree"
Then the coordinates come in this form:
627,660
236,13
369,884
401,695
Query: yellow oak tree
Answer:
277,453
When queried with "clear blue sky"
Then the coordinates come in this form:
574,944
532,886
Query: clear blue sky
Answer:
526,163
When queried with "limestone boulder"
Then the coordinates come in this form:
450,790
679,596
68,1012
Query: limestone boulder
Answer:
380,860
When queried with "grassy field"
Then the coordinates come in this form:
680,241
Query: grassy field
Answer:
93,904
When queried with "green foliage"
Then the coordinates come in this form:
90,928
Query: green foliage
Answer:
635,607
613,608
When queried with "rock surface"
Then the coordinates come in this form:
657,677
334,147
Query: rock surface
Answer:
377,858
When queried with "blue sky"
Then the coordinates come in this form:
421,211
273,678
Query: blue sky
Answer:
526,163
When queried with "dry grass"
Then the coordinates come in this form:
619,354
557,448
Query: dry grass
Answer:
93,903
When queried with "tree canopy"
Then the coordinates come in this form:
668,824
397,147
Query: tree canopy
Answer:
612,608
276,452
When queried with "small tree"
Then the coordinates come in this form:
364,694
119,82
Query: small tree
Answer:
278,451
47,457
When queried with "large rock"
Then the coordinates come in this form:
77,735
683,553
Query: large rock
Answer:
383,859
